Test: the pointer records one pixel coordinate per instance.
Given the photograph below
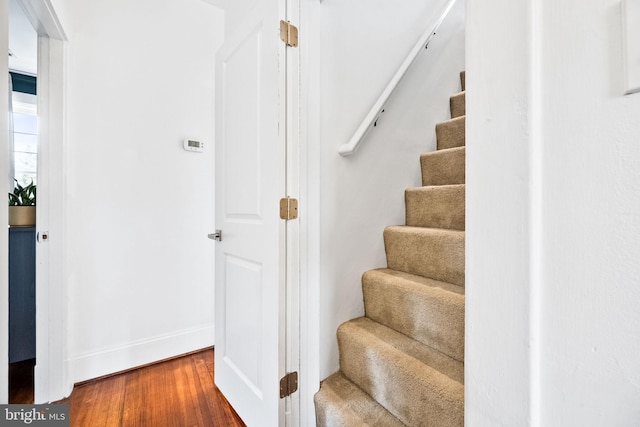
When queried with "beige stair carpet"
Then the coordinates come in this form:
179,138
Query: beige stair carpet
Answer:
443,167
414,382
342,403
457,104
439,206
450,134
441,327
403,363
429,252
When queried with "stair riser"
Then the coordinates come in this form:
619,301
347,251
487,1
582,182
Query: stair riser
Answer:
443,167
429,315
436,207
457,105
407,388
451,133
431,253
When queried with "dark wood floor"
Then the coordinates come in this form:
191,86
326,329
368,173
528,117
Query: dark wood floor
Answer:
178,392
21,382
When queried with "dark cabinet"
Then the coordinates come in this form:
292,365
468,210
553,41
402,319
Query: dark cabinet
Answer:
22,293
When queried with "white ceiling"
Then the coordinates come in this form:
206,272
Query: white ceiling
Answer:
23,41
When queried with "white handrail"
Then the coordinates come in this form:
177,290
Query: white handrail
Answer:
378,108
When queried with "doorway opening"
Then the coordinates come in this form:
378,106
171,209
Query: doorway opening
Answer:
23,157
50,375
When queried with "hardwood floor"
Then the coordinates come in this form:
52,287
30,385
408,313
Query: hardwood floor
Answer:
21,382
178,392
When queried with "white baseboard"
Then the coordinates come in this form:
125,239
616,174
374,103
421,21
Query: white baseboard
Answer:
142,352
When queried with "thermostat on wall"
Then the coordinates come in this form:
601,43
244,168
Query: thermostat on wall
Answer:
192,145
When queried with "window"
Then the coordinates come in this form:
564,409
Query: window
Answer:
25,130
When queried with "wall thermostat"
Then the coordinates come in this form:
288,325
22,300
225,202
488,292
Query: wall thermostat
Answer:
193,145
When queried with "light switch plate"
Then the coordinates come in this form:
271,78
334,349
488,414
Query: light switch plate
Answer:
631,45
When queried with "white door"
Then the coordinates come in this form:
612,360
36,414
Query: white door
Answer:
250,180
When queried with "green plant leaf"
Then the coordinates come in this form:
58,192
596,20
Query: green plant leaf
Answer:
23,196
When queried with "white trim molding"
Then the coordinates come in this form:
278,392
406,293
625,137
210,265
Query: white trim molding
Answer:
139,353
631,45
43,18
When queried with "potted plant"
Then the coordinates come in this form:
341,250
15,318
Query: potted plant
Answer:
22,205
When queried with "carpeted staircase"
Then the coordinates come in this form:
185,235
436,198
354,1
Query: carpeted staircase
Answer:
403,363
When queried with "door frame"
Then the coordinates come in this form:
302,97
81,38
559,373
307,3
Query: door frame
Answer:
310,207
292,304
50,379
4,188
50,376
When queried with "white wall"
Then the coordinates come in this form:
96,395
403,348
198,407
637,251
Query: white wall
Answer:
362,45
139,272
553,211
499,235
591,294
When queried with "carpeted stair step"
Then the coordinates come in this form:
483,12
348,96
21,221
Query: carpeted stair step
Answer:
417,384
341,403
429,252
450,134
456,103
436,206
402,364
426,310
443,167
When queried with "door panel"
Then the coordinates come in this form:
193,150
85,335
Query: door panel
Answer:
242,87
243,355
250,179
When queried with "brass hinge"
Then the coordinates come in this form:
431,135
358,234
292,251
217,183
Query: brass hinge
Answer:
288,384
289,33
288,208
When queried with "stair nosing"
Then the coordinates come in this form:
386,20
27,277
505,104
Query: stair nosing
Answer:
441,187
388,345
434,310
443,150
420,280
453,119
424,230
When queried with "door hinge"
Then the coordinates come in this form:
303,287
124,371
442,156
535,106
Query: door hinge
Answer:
288,208
289,33
288,384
